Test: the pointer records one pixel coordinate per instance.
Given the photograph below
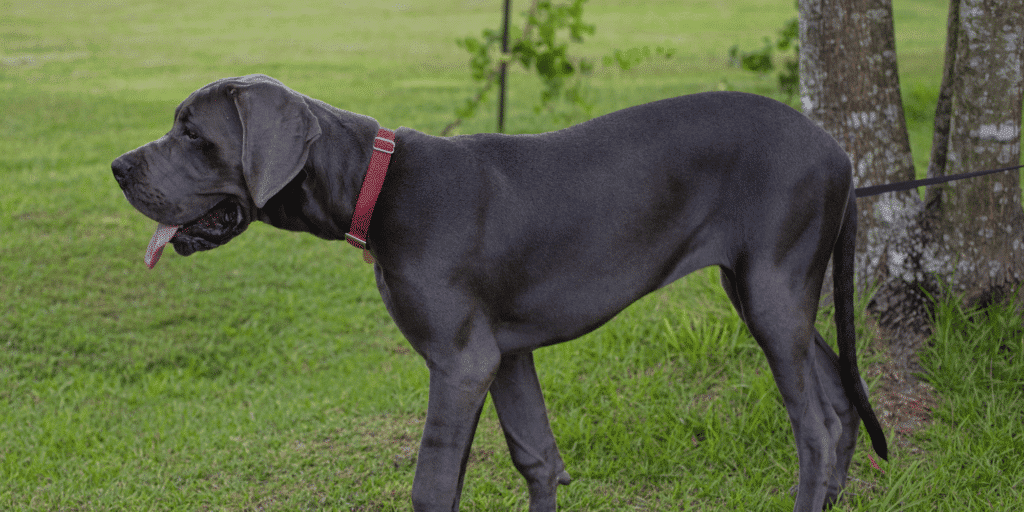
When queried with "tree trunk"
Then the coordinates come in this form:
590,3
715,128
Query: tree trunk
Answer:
969,233
849,85
979,223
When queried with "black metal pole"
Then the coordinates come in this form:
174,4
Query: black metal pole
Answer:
504,65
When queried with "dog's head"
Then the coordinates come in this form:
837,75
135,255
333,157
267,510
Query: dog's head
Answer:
234,144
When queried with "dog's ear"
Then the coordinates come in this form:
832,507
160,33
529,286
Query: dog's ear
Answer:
277,130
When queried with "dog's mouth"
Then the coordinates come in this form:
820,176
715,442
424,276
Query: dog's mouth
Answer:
220,224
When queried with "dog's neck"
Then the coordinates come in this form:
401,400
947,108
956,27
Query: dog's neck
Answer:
320,200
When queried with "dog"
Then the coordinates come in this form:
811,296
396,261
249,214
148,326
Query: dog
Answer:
489,246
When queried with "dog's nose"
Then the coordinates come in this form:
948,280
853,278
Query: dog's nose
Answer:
122,168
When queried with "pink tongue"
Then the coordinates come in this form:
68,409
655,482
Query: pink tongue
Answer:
163,234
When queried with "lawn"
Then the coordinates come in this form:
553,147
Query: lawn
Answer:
266,375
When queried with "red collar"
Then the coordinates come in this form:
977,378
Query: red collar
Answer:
383,147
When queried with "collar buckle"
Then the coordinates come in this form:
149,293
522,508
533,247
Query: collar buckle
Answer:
381,144
356,241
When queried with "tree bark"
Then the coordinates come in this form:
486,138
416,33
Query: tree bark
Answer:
944,106
981,248
849,84
968,235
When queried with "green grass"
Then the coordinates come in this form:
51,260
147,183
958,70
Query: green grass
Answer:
267,375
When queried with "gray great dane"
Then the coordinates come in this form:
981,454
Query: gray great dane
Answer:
490,246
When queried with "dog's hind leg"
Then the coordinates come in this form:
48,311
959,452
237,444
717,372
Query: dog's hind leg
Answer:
781,318
827,367
517,398
828,375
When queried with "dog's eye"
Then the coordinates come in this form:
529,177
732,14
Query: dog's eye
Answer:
190,134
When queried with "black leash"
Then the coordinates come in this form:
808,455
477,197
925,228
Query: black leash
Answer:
907,185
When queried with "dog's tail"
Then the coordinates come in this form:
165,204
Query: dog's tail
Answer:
849,374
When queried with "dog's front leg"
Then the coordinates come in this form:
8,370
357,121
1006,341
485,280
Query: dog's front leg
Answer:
520,405
459,378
